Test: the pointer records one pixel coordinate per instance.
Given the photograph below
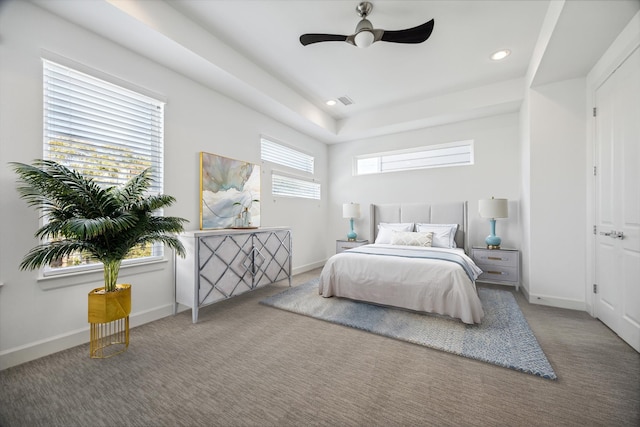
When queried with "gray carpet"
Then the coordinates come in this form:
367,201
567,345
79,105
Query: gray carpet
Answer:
503,338
246,364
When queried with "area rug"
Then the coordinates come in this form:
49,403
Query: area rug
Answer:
504,337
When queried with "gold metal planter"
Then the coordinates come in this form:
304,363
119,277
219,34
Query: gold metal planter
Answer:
109,319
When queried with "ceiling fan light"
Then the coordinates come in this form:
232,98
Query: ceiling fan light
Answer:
364,38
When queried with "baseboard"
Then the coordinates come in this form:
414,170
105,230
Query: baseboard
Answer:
570,304
25,353
308,267
18,355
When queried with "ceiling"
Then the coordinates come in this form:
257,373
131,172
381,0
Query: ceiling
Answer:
249,50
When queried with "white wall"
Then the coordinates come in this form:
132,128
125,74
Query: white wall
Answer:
496,172
557,190
38,317
525,193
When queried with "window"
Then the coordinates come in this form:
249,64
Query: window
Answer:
282,185
433,156
285,156
103,131
286,184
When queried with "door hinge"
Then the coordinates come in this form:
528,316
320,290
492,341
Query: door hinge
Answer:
594,111
595,227
595,170
595,288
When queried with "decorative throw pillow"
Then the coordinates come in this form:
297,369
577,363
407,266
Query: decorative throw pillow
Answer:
385,229
411,238
443,234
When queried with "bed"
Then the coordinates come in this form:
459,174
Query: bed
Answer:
409,275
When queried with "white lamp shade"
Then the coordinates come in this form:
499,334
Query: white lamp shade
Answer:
351,210
493,208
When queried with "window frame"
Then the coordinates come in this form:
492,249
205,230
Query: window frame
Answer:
154,158
470,143
287,171
294,178
292,152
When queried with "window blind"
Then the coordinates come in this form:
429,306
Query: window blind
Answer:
282,185
102,130
452,154
105,132
285,156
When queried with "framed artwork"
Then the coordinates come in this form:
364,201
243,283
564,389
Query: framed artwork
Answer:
229,193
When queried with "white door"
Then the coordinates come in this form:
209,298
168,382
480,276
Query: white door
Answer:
617,196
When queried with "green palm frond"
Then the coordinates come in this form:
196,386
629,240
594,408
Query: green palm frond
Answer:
82,216
153,203
134,190
167,224
89,228
168,240
61,190
49,252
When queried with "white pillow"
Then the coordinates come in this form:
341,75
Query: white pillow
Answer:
410,238
385,229
444,235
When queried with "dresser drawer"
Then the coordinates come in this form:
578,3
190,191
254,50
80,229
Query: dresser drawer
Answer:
498,273
496,258
498,265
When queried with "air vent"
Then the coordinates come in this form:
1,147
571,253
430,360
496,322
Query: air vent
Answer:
345,100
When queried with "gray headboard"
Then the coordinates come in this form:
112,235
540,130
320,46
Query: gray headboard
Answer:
441,213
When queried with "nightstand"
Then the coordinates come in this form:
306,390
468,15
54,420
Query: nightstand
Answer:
343,245
501,266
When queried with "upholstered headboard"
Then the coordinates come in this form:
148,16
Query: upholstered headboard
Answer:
441,213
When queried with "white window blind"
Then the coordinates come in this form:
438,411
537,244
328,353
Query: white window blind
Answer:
282,185
451,154
285,156
104,131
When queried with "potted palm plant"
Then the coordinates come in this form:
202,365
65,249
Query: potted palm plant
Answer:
104,223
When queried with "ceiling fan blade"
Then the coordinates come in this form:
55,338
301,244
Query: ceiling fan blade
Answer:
410,35
306,39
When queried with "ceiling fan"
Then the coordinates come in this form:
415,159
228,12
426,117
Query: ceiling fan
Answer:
366,35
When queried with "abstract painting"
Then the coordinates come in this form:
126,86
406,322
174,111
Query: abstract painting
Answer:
229,188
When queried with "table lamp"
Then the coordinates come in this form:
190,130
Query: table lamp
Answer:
493,208
351,211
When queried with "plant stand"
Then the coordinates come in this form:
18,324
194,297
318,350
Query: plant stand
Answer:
109,319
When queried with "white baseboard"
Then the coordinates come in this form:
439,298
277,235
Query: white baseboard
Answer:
308,267
25,353
35,350
571,304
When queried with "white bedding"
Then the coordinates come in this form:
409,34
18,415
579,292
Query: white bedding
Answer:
427,285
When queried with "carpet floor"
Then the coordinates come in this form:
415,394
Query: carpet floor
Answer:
247,364
503,338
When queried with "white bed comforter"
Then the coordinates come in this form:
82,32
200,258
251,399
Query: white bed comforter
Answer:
420,284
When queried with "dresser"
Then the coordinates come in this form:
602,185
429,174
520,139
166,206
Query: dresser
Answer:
221,264
500,266
343,245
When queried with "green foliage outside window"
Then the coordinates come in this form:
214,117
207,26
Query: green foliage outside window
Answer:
106,169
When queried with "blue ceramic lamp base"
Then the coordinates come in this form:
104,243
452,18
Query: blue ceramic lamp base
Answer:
493,241
351,236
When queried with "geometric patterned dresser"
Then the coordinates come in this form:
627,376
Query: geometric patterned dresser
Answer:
221,264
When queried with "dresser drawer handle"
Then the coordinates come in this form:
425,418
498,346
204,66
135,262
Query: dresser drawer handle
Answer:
495,272
494,258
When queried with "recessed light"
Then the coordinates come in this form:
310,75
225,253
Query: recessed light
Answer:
501,54
331,102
